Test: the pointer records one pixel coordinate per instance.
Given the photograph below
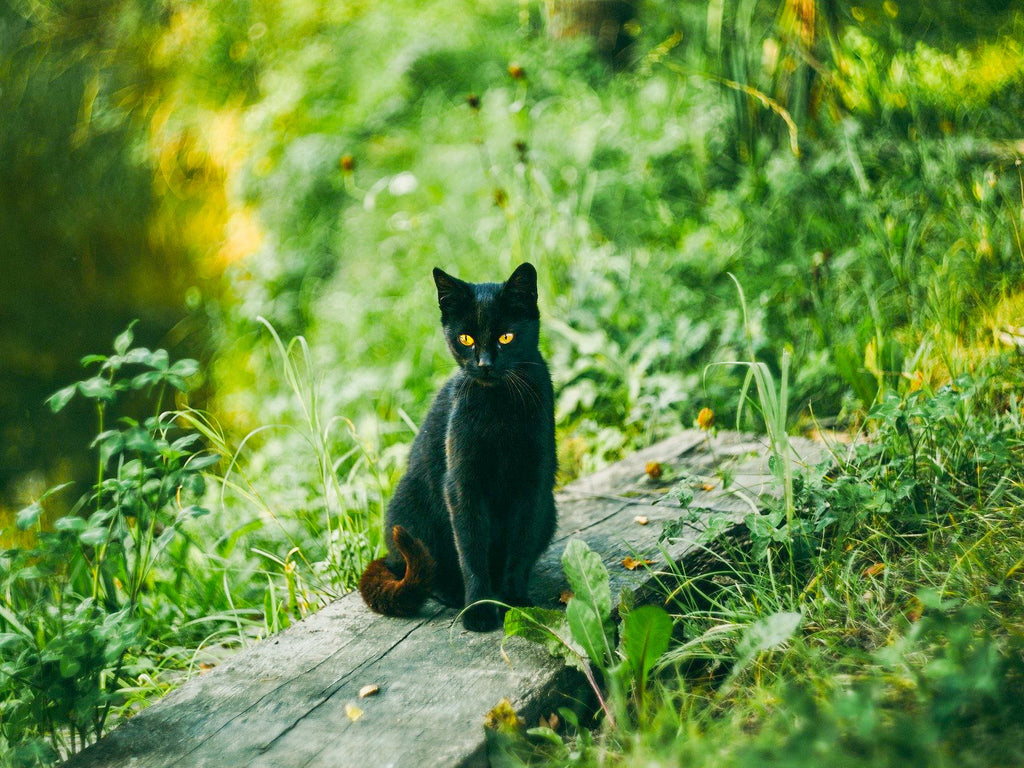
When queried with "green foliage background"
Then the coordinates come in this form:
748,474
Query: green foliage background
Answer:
266,185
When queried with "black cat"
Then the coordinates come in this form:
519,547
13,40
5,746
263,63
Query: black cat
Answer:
475,508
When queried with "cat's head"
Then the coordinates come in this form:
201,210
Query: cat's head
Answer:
491,328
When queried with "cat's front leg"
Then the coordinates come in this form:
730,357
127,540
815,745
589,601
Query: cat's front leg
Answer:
471,526
533,524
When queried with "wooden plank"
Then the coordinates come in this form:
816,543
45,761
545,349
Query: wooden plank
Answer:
284,701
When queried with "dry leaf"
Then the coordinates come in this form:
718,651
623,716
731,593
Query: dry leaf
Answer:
353,712
632,564
641,520
874,570
368,690
653,470
916,610
565,596
551,721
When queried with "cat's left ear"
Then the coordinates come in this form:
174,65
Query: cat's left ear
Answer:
521,287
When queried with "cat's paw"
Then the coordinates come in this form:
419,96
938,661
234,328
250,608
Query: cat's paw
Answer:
482,617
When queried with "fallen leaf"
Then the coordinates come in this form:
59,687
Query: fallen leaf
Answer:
368,690
565,596
874,570
551,721
915,611
353,712
653,470
641,520
632,564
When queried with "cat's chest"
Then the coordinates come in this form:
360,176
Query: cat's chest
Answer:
492,431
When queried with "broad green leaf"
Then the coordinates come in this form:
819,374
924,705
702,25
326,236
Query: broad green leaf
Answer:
185,368
125,339
588,577
11,638
589,631
97,388
61,398
202,462
546,627
71,523
646,632
186,442
138,356
69,667
28,517
160,359
93,537
147,379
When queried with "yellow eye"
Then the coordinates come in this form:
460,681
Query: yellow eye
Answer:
506,338
466,340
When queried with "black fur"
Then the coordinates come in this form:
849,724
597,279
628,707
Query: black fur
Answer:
479,488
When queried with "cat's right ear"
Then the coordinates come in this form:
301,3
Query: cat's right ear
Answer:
451,292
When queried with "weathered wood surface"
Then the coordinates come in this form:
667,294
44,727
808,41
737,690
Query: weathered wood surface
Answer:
282,703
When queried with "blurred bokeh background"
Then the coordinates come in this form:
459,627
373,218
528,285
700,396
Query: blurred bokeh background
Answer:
197,165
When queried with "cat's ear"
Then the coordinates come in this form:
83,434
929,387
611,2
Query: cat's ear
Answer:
451,292
521,288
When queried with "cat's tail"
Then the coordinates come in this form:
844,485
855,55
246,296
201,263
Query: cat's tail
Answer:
384,592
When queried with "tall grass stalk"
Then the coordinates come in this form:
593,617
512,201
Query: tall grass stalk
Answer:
773,405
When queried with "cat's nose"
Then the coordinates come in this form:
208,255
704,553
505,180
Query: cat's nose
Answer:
484,362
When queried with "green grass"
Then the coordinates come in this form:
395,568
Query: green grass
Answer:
898,637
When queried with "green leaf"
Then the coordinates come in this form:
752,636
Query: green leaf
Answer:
588,577
202,462
589,631
543,733
61,398
11,638
93,537
138,356
125,339
97,388
28,517
185,368
69,667
147,379
646,632
71,523
546,627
